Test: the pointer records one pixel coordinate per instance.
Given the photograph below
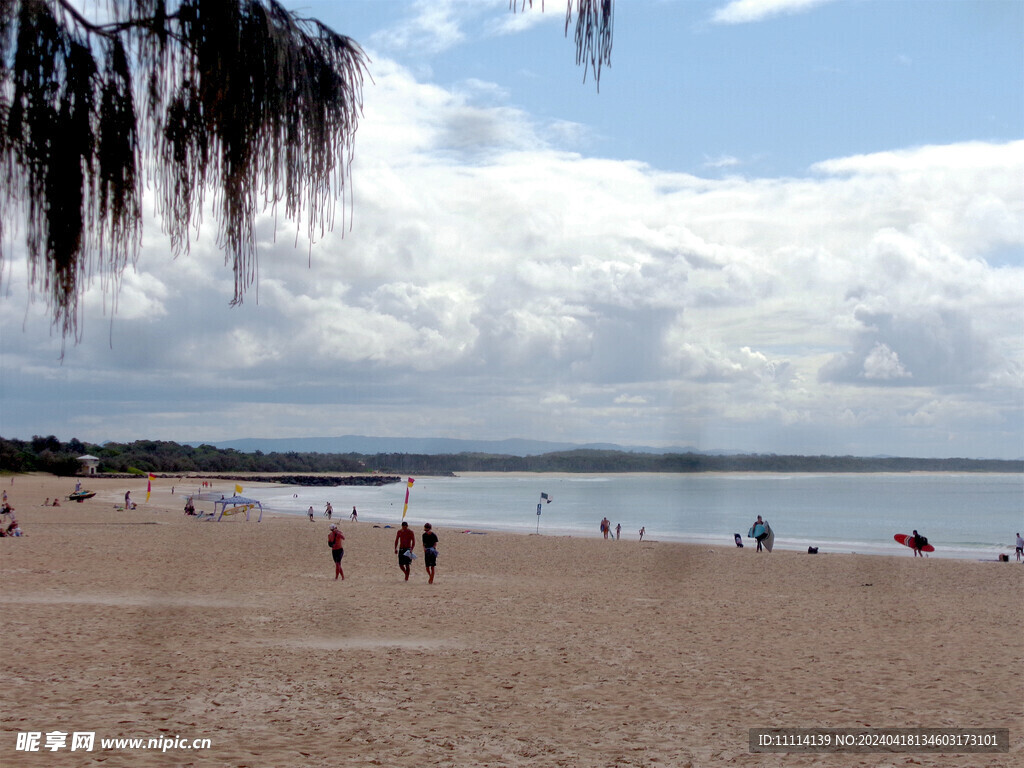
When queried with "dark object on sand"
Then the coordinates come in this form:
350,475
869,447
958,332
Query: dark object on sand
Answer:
812,550
739,540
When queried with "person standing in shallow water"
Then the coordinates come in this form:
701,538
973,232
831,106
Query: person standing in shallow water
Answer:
336,541
405,542
429,539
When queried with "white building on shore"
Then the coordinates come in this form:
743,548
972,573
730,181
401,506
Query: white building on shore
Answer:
90,465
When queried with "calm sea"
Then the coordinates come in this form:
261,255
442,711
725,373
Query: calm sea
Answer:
963,515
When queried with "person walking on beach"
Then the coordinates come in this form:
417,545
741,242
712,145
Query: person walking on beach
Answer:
1020,547
618,531
642,533
328,511
919,542
405,542
335,540
354,517
127,500
310,513
759,535
429,539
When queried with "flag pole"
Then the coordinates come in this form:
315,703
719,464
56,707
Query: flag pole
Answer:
543,497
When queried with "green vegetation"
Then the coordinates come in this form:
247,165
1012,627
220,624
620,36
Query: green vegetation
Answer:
48,454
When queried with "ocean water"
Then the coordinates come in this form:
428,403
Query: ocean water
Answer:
963,515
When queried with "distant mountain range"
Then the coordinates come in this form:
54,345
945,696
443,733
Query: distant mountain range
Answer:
428,445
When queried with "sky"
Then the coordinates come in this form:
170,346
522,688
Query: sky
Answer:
778,226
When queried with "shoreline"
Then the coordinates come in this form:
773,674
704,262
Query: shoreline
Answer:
983,553
527,650
159,504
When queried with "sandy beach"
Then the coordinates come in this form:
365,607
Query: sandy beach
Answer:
526,651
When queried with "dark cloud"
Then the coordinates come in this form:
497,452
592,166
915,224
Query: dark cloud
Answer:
921,349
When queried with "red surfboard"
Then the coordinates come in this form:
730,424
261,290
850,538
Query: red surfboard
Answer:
907,540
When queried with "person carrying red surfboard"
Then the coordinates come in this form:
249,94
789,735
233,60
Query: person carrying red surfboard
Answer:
919,542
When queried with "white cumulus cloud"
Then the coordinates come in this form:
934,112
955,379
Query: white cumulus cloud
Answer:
746,11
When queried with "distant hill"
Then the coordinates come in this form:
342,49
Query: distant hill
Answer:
421,445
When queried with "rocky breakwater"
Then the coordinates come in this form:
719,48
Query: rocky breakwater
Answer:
312,480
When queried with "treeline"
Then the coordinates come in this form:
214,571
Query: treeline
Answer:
48,454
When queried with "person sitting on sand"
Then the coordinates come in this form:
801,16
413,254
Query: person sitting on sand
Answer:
47,502
55,503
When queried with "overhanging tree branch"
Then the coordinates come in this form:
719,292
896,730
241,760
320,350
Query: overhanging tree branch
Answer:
241,98
593,32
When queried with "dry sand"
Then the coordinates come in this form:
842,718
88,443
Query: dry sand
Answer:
527,651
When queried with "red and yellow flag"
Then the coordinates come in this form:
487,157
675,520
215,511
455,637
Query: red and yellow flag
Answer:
407,487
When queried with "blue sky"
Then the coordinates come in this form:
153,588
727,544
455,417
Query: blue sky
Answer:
775,94
780,226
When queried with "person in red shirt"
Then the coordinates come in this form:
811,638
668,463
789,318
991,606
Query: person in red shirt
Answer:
336,539
405,542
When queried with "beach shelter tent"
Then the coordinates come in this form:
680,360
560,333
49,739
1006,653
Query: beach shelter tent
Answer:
236,505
